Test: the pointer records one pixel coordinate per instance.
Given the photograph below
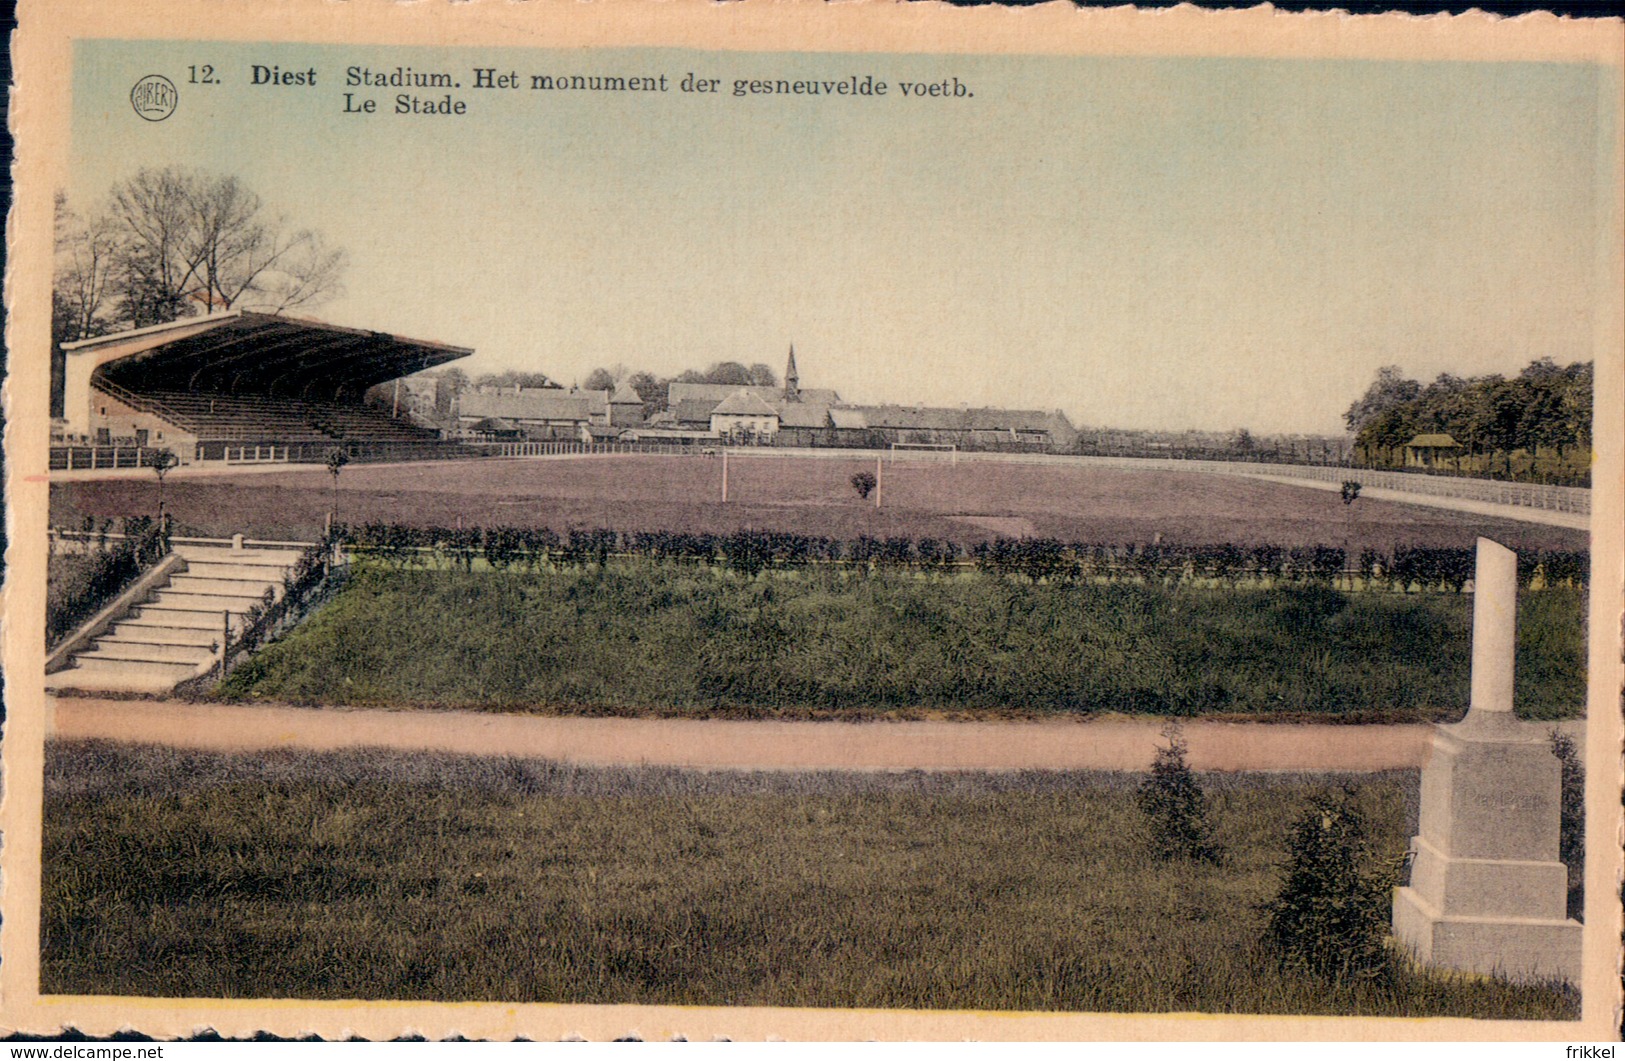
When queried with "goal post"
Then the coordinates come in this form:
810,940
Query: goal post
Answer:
945,452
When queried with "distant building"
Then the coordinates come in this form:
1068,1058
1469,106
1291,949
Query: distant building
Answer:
785,416
1425,451
745,416
790,415
693,414
668,436
625,407
985,428
538,413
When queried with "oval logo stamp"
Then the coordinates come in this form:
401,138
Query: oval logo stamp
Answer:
154,97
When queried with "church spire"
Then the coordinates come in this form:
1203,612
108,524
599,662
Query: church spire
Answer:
792,389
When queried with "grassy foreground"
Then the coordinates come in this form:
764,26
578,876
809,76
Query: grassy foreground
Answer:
370,875
642,638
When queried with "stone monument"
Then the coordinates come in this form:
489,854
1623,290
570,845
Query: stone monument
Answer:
1488,893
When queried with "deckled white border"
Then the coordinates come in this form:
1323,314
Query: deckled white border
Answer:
38,120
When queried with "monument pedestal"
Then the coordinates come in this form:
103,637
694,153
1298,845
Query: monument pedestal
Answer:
1488,893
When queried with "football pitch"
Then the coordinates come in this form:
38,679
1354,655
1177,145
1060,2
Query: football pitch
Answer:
966,502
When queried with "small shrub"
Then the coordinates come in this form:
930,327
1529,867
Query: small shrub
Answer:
1331,915
1572,818
1351,491
864,483
1175,807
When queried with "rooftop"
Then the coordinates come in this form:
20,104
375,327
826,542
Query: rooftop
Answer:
263,354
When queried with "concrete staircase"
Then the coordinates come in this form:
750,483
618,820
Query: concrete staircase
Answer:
174,634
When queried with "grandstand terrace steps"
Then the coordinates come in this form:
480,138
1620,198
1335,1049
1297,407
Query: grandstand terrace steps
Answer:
265,419
174,635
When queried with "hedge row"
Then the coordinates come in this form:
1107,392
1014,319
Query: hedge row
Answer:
86,582
750,552
299,586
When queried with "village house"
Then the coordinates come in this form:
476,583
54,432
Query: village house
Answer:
745,417
534,413
1430,450
966,428
788,416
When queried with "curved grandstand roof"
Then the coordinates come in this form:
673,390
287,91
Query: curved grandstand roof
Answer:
260,354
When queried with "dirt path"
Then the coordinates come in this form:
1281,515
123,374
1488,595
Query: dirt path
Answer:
1107,745
1522,513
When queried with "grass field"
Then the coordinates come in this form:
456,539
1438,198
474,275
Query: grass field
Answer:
968,502
643,638
367,875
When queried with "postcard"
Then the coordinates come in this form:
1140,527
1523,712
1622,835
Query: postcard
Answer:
826,521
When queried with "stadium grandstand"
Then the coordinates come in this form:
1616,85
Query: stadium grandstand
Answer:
242,386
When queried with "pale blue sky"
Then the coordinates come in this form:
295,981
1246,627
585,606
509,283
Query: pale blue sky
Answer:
1203,243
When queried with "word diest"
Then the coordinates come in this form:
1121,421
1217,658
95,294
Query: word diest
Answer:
275,75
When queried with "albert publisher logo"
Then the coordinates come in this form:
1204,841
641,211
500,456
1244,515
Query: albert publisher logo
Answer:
154,97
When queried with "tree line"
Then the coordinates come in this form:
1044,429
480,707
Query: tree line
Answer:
172,242
1535,425
654,390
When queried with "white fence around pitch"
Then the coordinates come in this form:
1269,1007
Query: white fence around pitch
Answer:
563,448
1574,500
1570,499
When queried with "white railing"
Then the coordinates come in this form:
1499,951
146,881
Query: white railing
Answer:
82,458
1568,499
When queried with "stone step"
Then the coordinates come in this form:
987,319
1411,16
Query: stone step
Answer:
172,636
176,617
206,602
231,569
93,675
190,582
214,554
153,632
146,652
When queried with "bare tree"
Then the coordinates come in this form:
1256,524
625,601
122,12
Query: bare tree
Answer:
242,255
189,241
83,281
152,213
86,258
